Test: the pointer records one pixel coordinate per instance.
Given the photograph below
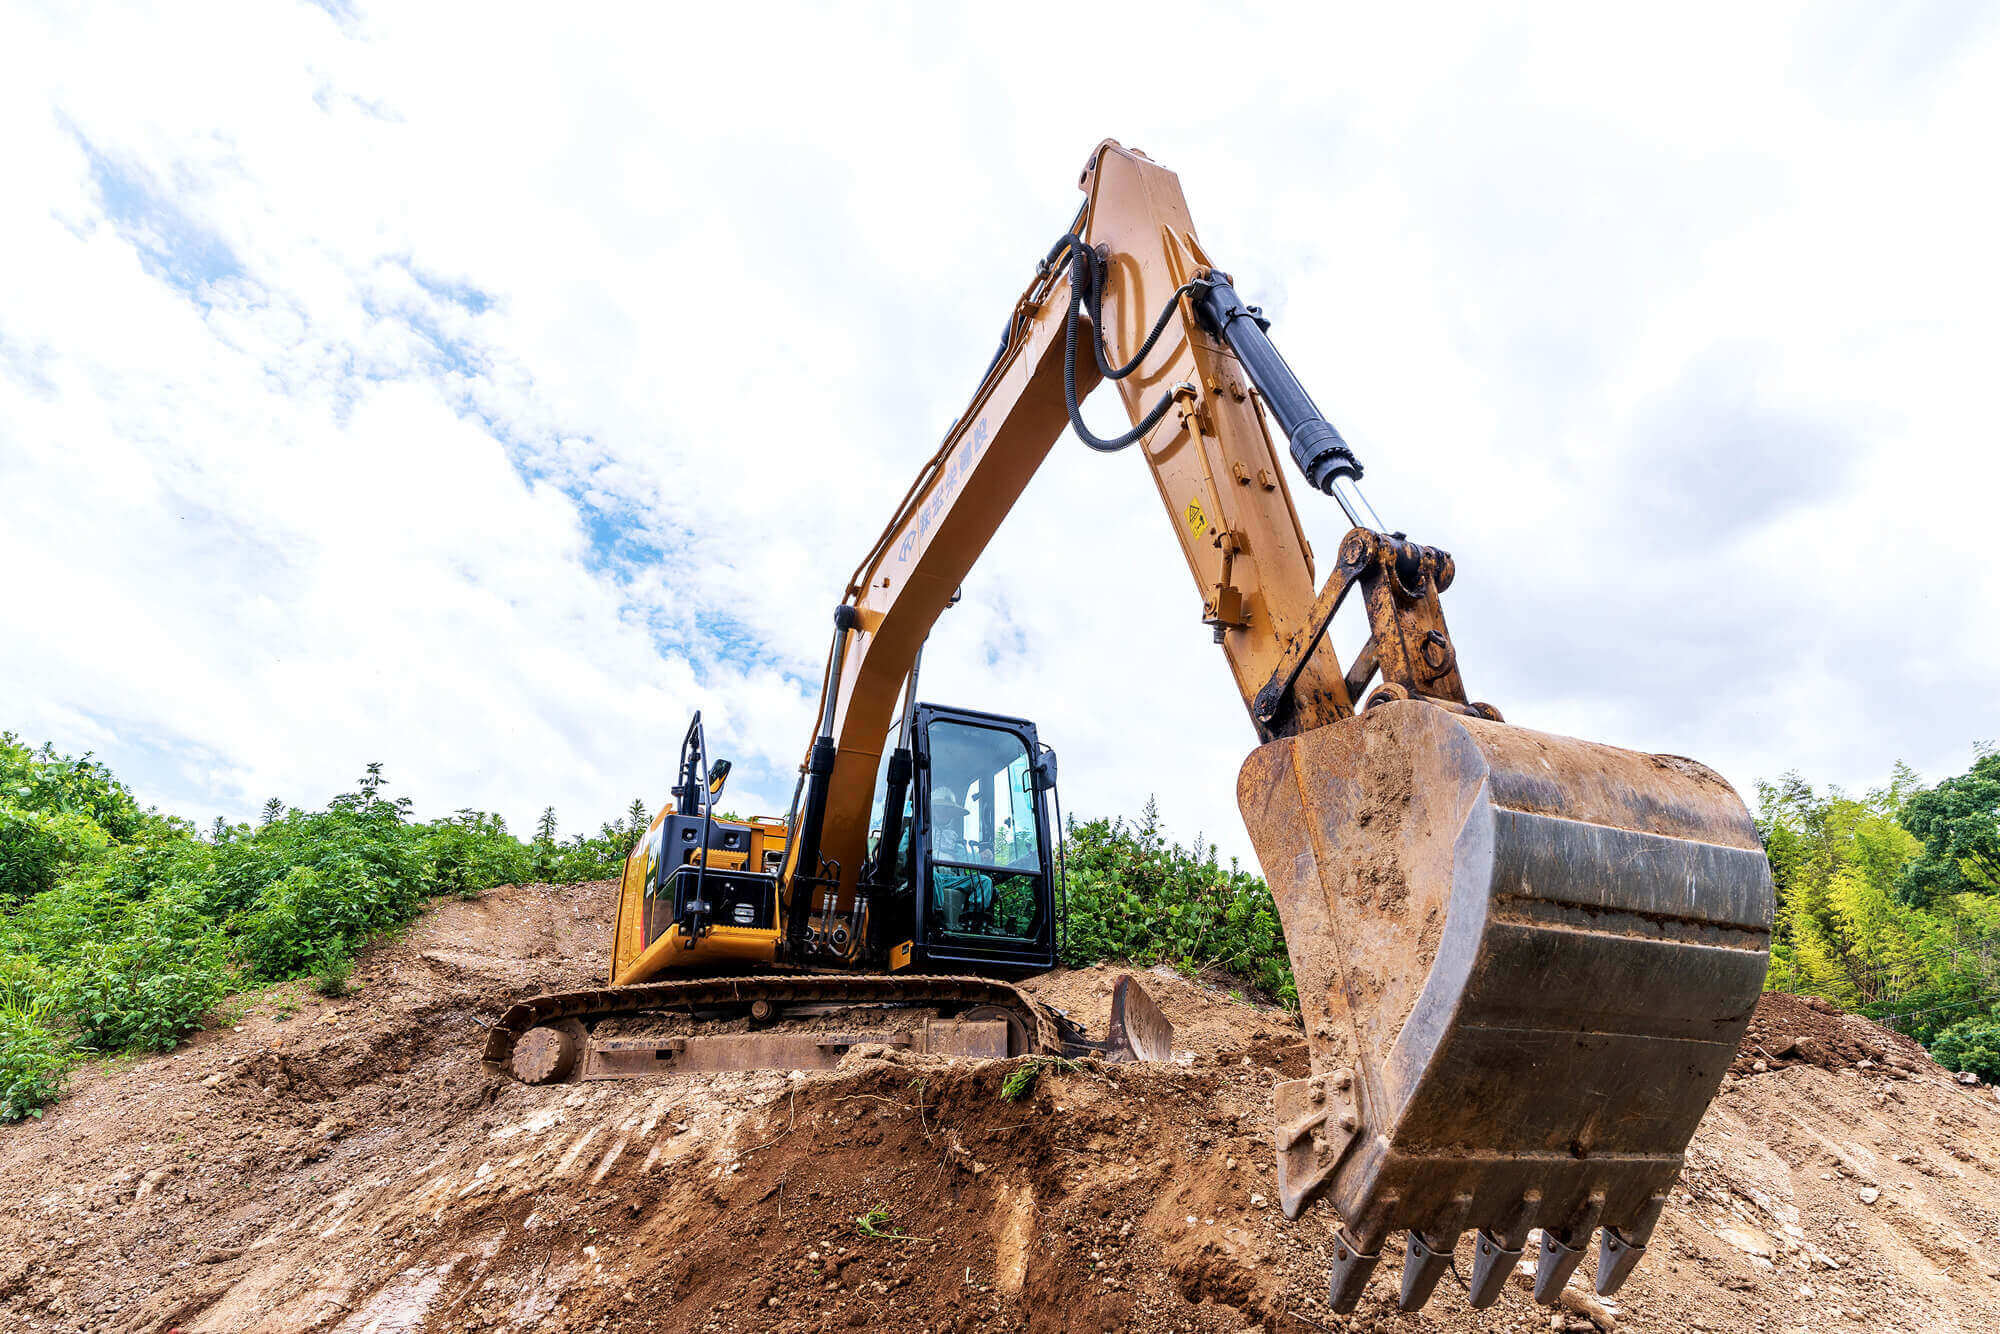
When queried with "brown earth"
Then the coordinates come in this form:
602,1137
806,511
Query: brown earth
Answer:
346,1166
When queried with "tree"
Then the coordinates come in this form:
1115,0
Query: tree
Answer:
1971,1044
1959,823
274,810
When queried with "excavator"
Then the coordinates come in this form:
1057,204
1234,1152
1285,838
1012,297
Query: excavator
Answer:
1524,962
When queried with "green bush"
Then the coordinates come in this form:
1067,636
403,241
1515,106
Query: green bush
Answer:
1971,1044
311,913
33,1061
472,852
23,980
331,972
149,988
1135,896
36,847
41,780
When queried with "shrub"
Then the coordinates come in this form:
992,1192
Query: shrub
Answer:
23,980
1971,1044
36,847
331,973
151,986
472,852
41,780
300,918
33,1061
1135,896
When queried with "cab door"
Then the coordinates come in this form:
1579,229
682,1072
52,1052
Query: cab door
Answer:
985,871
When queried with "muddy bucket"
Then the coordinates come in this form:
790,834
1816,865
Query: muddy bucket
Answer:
1524,963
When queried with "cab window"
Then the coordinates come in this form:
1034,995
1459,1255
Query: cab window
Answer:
985,837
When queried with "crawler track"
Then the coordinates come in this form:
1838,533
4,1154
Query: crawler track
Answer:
1047,1030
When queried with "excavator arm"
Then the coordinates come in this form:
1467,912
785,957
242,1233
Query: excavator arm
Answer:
1209,451
1523,961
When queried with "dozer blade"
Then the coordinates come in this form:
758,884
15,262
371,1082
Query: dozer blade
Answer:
1138,1031
1524,963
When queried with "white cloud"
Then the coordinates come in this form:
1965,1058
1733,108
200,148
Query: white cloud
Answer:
483,396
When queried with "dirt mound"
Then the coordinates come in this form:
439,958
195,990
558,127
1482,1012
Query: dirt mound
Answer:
345,1166
1800,1030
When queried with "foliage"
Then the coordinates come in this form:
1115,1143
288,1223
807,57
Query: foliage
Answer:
877,1224
150,988
1133,895
123,927
331,973
1021,1081
580,858
58,812
472,851
1846,926
1959,824
33,1060
1971,1044
23,980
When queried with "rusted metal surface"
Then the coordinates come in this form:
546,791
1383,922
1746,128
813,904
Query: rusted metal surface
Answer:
544,1039
1530,957
548,1054
631,1058
1408,645
1138,1031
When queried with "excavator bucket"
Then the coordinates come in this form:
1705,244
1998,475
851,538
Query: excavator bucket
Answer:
1524,963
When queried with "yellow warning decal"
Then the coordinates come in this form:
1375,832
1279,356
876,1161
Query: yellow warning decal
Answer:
1197,522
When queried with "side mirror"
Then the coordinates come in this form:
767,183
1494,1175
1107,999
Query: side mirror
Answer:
718,774
1045,769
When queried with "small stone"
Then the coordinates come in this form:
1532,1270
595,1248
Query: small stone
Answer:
1257,1201
1864,1064
1869,1194
1759,1067
1968,1078
1750,1243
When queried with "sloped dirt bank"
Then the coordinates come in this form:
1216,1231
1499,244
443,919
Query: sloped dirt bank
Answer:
348,1167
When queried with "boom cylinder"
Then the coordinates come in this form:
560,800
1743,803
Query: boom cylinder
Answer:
1322,455
819,770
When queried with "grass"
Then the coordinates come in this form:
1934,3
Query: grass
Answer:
877,1224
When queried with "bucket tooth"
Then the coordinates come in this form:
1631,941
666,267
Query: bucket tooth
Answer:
1352,1267
1557,1262
1563,1248
1425,1260
1615,1258
1620,1248
1491,1263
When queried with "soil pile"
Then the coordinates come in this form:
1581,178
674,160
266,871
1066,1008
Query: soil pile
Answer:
346,1166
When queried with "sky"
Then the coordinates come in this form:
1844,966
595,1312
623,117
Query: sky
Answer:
481,394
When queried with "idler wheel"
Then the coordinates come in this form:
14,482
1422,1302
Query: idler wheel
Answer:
545,1054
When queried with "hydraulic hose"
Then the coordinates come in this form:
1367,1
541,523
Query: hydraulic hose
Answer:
1086,291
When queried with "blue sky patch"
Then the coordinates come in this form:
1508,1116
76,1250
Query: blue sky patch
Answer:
174,246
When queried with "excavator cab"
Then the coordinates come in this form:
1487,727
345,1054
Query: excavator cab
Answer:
973,885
